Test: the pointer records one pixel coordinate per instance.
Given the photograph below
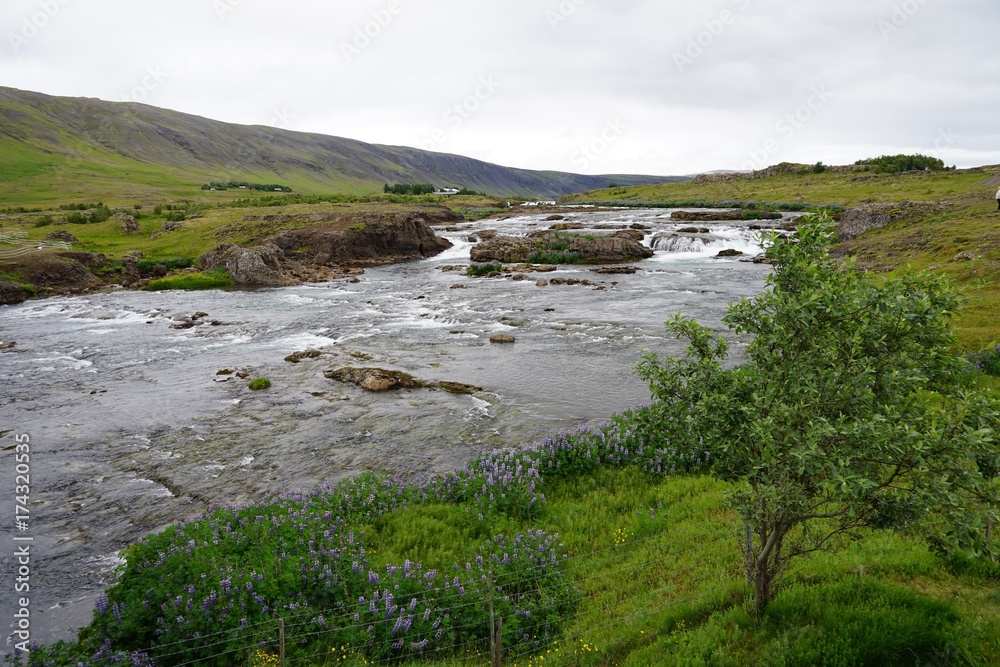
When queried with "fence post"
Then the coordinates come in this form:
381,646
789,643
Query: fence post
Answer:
498,642
281,642
493,621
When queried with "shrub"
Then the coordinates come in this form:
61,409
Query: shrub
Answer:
987,361
176,216
829,422
146,265
484,269
43,221
259,384
100,214
76,218
895,164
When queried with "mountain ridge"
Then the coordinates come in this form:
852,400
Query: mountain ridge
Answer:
88,139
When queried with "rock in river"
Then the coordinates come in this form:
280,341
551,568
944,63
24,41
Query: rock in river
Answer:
376,379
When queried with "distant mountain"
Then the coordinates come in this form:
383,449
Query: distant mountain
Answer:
63,147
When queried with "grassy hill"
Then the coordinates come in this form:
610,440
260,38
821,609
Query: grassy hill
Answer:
958,233
57,149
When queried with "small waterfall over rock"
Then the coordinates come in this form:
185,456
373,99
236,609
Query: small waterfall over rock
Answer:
672,242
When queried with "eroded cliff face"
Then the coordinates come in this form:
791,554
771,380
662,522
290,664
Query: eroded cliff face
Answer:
309,253
857,220
373,239
325,250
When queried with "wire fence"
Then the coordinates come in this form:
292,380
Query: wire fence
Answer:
667,571
25,246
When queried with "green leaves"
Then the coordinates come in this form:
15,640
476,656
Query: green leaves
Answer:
848,410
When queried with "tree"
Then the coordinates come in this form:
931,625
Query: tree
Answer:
849,411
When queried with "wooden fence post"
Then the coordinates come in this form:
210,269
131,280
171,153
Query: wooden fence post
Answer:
281,642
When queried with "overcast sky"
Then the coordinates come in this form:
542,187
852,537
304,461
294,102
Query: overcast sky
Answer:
590,86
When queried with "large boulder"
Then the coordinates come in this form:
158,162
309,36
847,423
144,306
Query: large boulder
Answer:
857,220
64,236
376,379
589,249
262,266
127,223
373,238
11,293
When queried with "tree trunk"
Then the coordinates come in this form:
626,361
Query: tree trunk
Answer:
766,566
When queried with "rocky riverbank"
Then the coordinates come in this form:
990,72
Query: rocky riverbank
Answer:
552,246
333,247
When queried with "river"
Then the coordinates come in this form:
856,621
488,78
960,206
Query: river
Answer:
132,427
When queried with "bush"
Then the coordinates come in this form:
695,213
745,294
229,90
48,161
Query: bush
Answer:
828,424
987,361
100,214
176,216
146,265
484,269
76,218
259,384
43,221
895,164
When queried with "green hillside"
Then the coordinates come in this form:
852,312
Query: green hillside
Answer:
55,149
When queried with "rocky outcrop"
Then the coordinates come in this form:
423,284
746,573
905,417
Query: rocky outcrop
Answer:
11,293
459,388
64,236
616,270
376,379
299,357
734,214
91,260
127,223
263,266
590,250
304,254
857,220
52,271
372,239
